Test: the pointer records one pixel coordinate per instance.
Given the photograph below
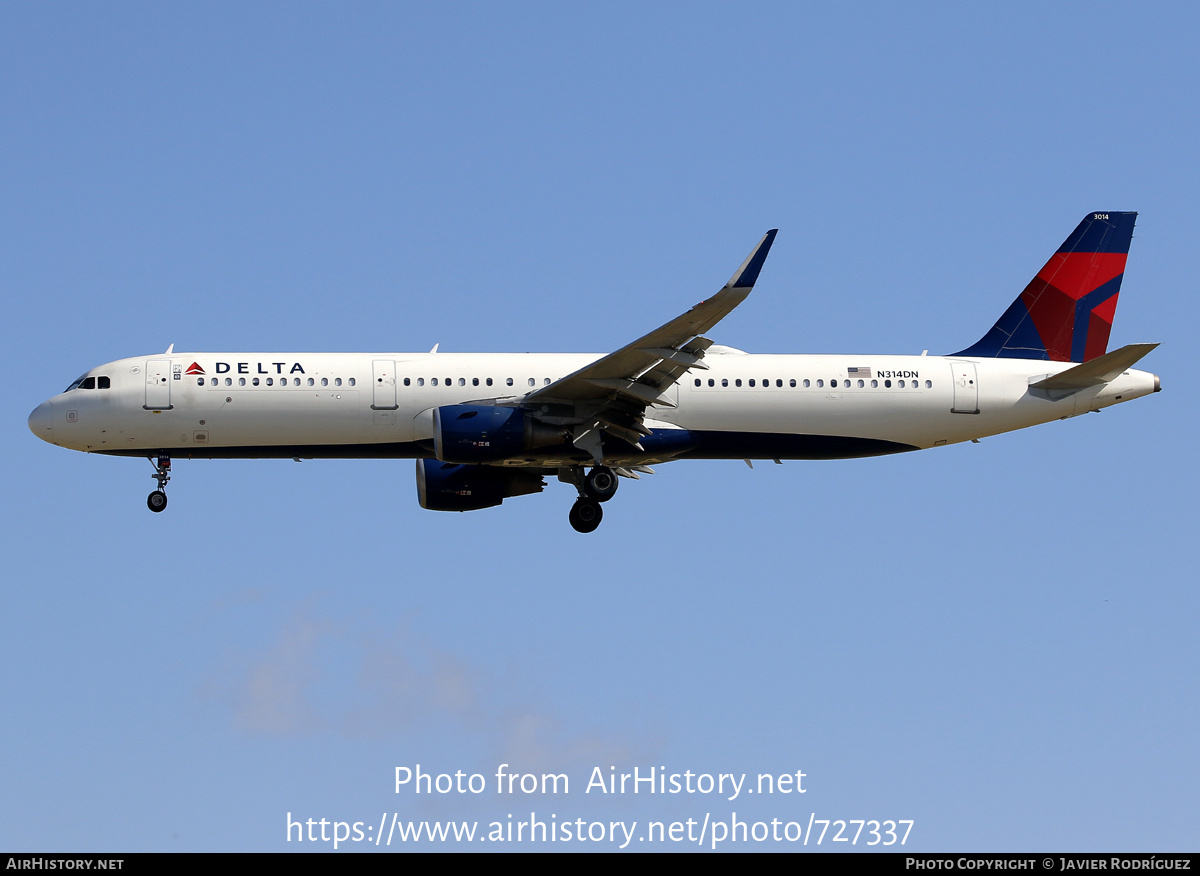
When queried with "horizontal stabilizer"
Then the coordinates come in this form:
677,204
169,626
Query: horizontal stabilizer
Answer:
1098,371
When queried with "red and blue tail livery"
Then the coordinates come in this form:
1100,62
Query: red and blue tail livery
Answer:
1066,311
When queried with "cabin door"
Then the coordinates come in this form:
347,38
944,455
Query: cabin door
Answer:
158,385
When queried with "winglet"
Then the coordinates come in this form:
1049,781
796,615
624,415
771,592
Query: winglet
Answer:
747,275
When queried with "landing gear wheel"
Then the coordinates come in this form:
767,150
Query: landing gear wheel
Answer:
586,515
601,483
156,501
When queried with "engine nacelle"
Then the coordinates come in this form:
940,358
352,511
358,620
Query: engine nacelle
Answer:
444,486
487,433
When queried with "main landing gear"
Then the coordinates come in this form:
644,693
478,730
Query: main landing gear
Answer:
598,485
157,500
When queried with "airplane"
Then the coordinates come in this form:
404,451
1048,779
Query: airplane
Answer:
485,427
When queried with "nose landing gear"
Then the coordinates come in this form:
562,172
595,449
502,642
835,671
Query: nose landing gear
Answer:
157,500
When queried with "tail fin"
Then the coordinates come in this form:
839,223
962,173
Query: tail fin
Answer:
1066,311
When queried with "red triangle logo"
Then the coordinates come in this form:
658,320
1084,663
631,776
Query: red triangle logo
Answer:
194,368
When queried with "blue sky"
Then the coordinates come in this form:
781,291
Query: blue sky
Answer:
995,640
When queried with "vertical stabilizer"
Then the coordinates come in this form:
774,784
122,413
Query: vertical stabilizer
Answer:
1065,313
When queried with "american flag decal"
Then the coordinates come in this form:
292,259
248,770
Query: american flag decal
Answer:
859,372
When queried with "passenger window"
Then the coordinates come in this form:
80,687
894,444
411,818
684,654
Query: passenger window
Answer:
311,382
212,381
861,384
697,381
337,381
779,383
199,381
887,384
270,381
751,382
874,384
474,381
351,381
241,381
724,381
449,381
489,381
901,384
420,381
532,381
806,384
255,381
711,382
325,381
509,381
462,381
820,384
546,381
229,381
833,383
929,384
433,382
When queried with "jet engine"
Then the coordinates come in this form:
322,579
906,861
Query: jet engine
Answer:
487,433
444,486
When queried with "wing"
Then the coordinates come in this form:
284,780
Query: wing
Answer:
611,394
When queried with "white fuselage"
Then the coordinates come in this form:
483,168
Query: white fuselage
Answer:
380,404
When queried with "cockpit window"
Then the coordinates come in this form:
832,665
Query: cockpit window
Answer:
86,382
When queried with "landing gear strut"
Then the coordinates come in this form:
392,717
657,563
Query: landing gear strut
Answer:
157,500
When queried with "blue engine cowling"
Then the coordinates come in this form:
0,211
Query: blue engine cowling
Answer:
487,433
444,486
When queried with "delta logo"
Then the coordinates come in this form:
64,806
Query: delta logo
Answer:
194,368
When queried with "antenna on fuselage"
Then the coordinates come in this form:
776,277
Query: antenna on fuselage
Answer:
170,350
435,346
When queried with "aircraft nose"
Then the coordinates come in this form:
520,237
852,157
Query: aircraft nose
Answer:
41,421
